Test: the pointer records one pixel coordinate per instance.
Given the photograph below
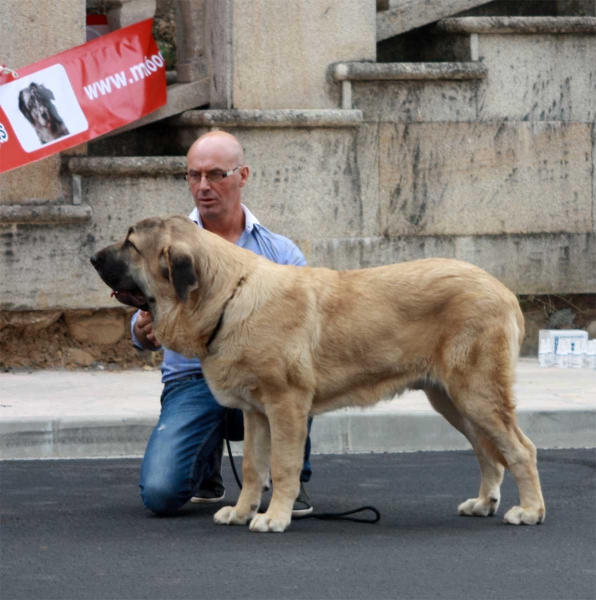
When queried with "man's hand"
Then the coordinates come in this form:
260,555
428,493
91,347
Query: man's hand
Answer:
144,331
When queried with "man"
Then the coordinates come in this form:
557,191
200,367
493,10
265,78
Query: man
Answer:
184,454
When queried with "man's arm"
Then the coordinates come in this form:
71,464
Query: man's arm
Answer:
294,256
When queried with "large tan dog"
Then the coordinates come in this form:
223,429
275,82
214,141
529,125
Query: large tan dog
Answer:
283,343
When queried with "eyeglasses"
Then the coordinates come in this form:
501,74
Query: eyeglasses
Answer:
212,176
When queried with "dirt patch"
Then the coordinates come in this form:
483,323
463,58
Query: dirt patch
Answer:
55,348
82,339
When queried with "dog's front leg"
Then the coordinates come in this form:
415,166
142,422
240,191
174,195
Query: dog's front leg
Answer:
288,435
255,471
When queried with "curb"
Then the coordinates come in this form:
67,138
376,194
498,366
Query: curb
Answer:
343,432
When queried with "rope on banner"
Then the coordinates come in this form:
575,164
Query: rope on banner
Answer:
4,68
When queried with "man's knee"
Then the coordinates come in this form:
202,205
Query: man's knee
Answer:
161,498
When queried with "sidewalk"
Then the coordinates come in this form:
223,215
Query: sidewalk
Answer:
77,414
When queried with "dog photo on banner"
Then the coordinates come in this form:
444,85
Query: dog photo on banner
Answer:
43,108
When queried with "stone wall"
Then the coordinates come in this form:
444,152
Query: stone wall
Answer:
515,198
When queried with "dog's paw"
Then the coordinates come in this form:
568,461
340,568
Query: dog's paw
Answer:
228,515
479,507
266,523
518,515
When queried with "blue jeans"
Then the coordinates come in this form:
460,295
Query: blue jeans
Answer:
183,450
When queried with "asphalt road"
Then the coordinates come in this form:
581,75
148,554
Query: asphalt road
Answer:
77,530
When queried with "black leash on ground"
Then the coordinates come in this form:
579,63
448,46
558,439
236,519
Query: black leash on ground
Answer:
323,516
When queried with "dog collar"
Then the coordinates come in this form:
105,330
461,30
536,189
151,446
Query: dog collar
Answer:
221,317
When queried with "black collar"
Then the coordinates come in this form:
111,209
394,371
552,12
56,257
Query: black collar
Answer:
223,310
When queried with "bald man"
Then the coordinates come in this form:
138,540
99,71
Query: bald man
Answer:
184,454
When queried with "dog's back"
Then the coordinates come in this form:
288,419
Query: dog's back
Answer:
376,332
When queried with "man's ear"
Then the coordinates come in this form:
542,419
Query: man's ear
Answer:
181,271
244,174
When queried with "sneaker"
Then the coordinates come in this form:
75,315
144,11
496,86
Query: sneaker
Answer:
212,490
302,505
209,493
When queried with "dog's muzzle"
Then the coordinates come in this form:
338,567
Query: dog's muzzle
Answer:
115,274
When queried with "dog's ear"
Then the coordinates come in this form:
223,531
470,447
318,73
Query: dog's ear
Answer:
181,271
45,93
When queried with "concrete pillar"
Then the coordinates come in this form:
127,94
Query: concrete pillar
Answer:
219,31
191,60
123,13
278,53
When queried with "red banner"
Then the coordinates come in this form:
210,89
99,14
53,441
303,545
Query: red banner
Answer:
79,94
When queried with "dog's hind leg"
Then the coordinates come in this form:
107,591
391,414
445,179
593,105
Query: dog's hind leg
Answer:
489,458
486,400
255,471
522,463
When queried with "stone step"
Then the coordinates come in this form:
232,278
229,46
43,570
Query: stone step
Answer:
538,69
517,25
424,71
12,214
269,118
126,166
170,137
358,71
405,15
455,39
541,68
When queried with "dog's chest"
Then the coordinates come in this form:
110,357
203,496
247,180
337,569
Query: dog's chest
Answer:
230,392
241,398
234,399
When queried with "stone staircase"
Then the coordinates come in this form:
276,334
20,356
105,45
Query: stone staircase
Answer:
500,69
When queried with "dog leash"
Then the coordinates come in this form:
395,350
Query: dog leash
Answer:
345,516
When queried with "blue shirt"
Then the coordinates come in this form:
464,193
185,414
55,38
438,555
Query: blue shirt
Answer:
261,241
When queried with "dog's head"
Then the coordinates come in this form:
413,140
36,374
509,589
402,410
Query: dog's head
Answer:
35,102
152,266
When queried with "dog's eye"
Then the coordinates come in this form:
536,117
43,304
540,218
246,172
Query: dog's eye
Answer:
129,244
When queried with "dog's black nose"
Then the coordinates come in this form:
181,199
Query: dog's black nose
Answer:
96,260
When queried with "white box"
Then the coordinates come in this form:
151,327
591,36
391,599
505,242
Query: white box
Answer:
554,335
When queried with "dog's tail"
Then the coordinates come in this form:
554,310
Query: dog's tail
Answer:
518,330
